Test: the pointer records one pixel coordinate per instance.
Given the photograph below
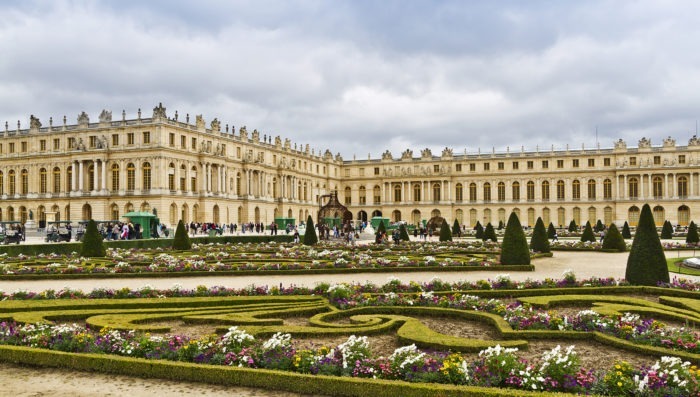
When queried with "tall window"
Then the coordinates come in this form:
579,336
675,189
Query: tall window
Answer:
633,188
591,189
2,183
183,180
545,191
561,191
146,176
56,180
416,192
459,192
436,192
472,192
487,192
633,215
576,191
43,179
193,179
130,177
69,179
377,192
530,190
363,195
501,191
348,195
658,186
516,191
397,193
682,186
115,177
607,190
91,177
11,182
25,181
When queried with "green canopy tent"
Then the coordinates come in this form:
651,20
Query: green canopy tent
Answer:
146,220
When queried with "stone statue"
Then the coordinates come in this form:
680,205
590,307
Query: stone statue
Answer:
34,123
105,116
244,133
159,111
215,125
644,143
31,215
83,118
426,153
694,141
407,154
200,122
80,144
669,142
620,144
447,152
256,135
387,155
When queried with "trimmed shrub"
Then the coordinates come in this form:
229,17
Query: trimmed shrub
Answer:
310,237
573,226
588,233
599,227
646,264
501,225
539,241
181,242
445,234
667,230
92,246
613,240
514,249
456,229
692,237
490,233
551,230
626,231
381,229
403,232
479,230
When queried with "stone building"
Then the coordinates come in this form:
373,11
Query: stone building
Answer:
199,172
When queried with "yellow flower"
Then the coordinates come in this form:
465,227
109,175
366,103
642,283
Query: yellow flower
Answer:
617,366
619,384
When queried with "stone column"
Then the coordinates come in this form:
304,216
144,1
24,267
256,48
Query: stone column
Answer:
81,176
104,175
624,187
691,185
672,189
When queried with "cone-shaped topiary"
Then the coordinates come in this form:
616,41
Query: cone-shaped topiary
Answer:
613,240
490,233
692,237
599,227
456,229
501,225
646,264
181,241
573,226
381,229
626,231
479,231
403,232
514,250
310,236
551,230
539,241
667,230
445,234
92,245
588,233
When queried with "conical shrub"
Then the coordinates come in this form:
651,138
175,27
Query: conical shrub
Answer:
573,226
501,225
599,227
403,233
588,233
514,250
381,229
445,234
551,230
646,264
539,241
456,229
310,236
479,231
181,241
92,245
626,233
692,236
667,230
490,233
613,240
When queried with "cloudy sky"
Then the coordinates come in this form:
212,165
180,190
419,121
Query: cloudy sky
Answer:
359,77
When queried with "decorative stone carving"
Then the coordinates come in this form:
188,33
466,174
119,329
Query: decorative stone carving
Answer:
387,155
327,155
215,125
644,143
278,141
306,149
426,153
694,141
34,123
159,112
338,157
244,133
287,144
105,116
447,153
256,136
407,154
200,122
83,119
620,144
669,142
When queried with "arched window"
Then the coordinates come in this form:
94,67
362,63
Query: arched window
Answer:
487,193
501,189
682,187
576,191
592,215
633,215
57,180
130,177
91,178
683,215
146,176
545,191
25,181
487,216
502,215
11,185
2,183
546,217
377,194
114,211
657,183
561,216
607,215
396,215
530,190
416,192
577,215
171,177
183,180
607,190
436,192
472,192
659,215
561,190
43,180
472,217
459,215
531,217
363,195
69,179
115,177
516,191
633,188
397,193
193,181
591,189
348,195
459,192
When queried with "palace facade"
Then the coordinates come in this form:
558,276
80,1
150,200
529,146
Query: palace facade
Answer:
206,173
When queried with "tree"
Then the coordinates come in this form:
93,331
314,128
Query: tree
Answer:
479,231
445,234
92,245
456,229
501,225
588,233
181,241
310,237
514,250
539,241
692,237
599,227
403,232
646,264
490,233
381,229
573,226
551,230
626,231
667,230
613,240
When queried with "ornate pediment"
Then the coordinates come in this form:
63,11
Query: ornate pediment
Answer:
669,142
644,143
620,144
387,155
426,153
447,153
105,116
244,133
215,125
407,154
694,141
200,122
256,135
83,119
159,112
34,123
